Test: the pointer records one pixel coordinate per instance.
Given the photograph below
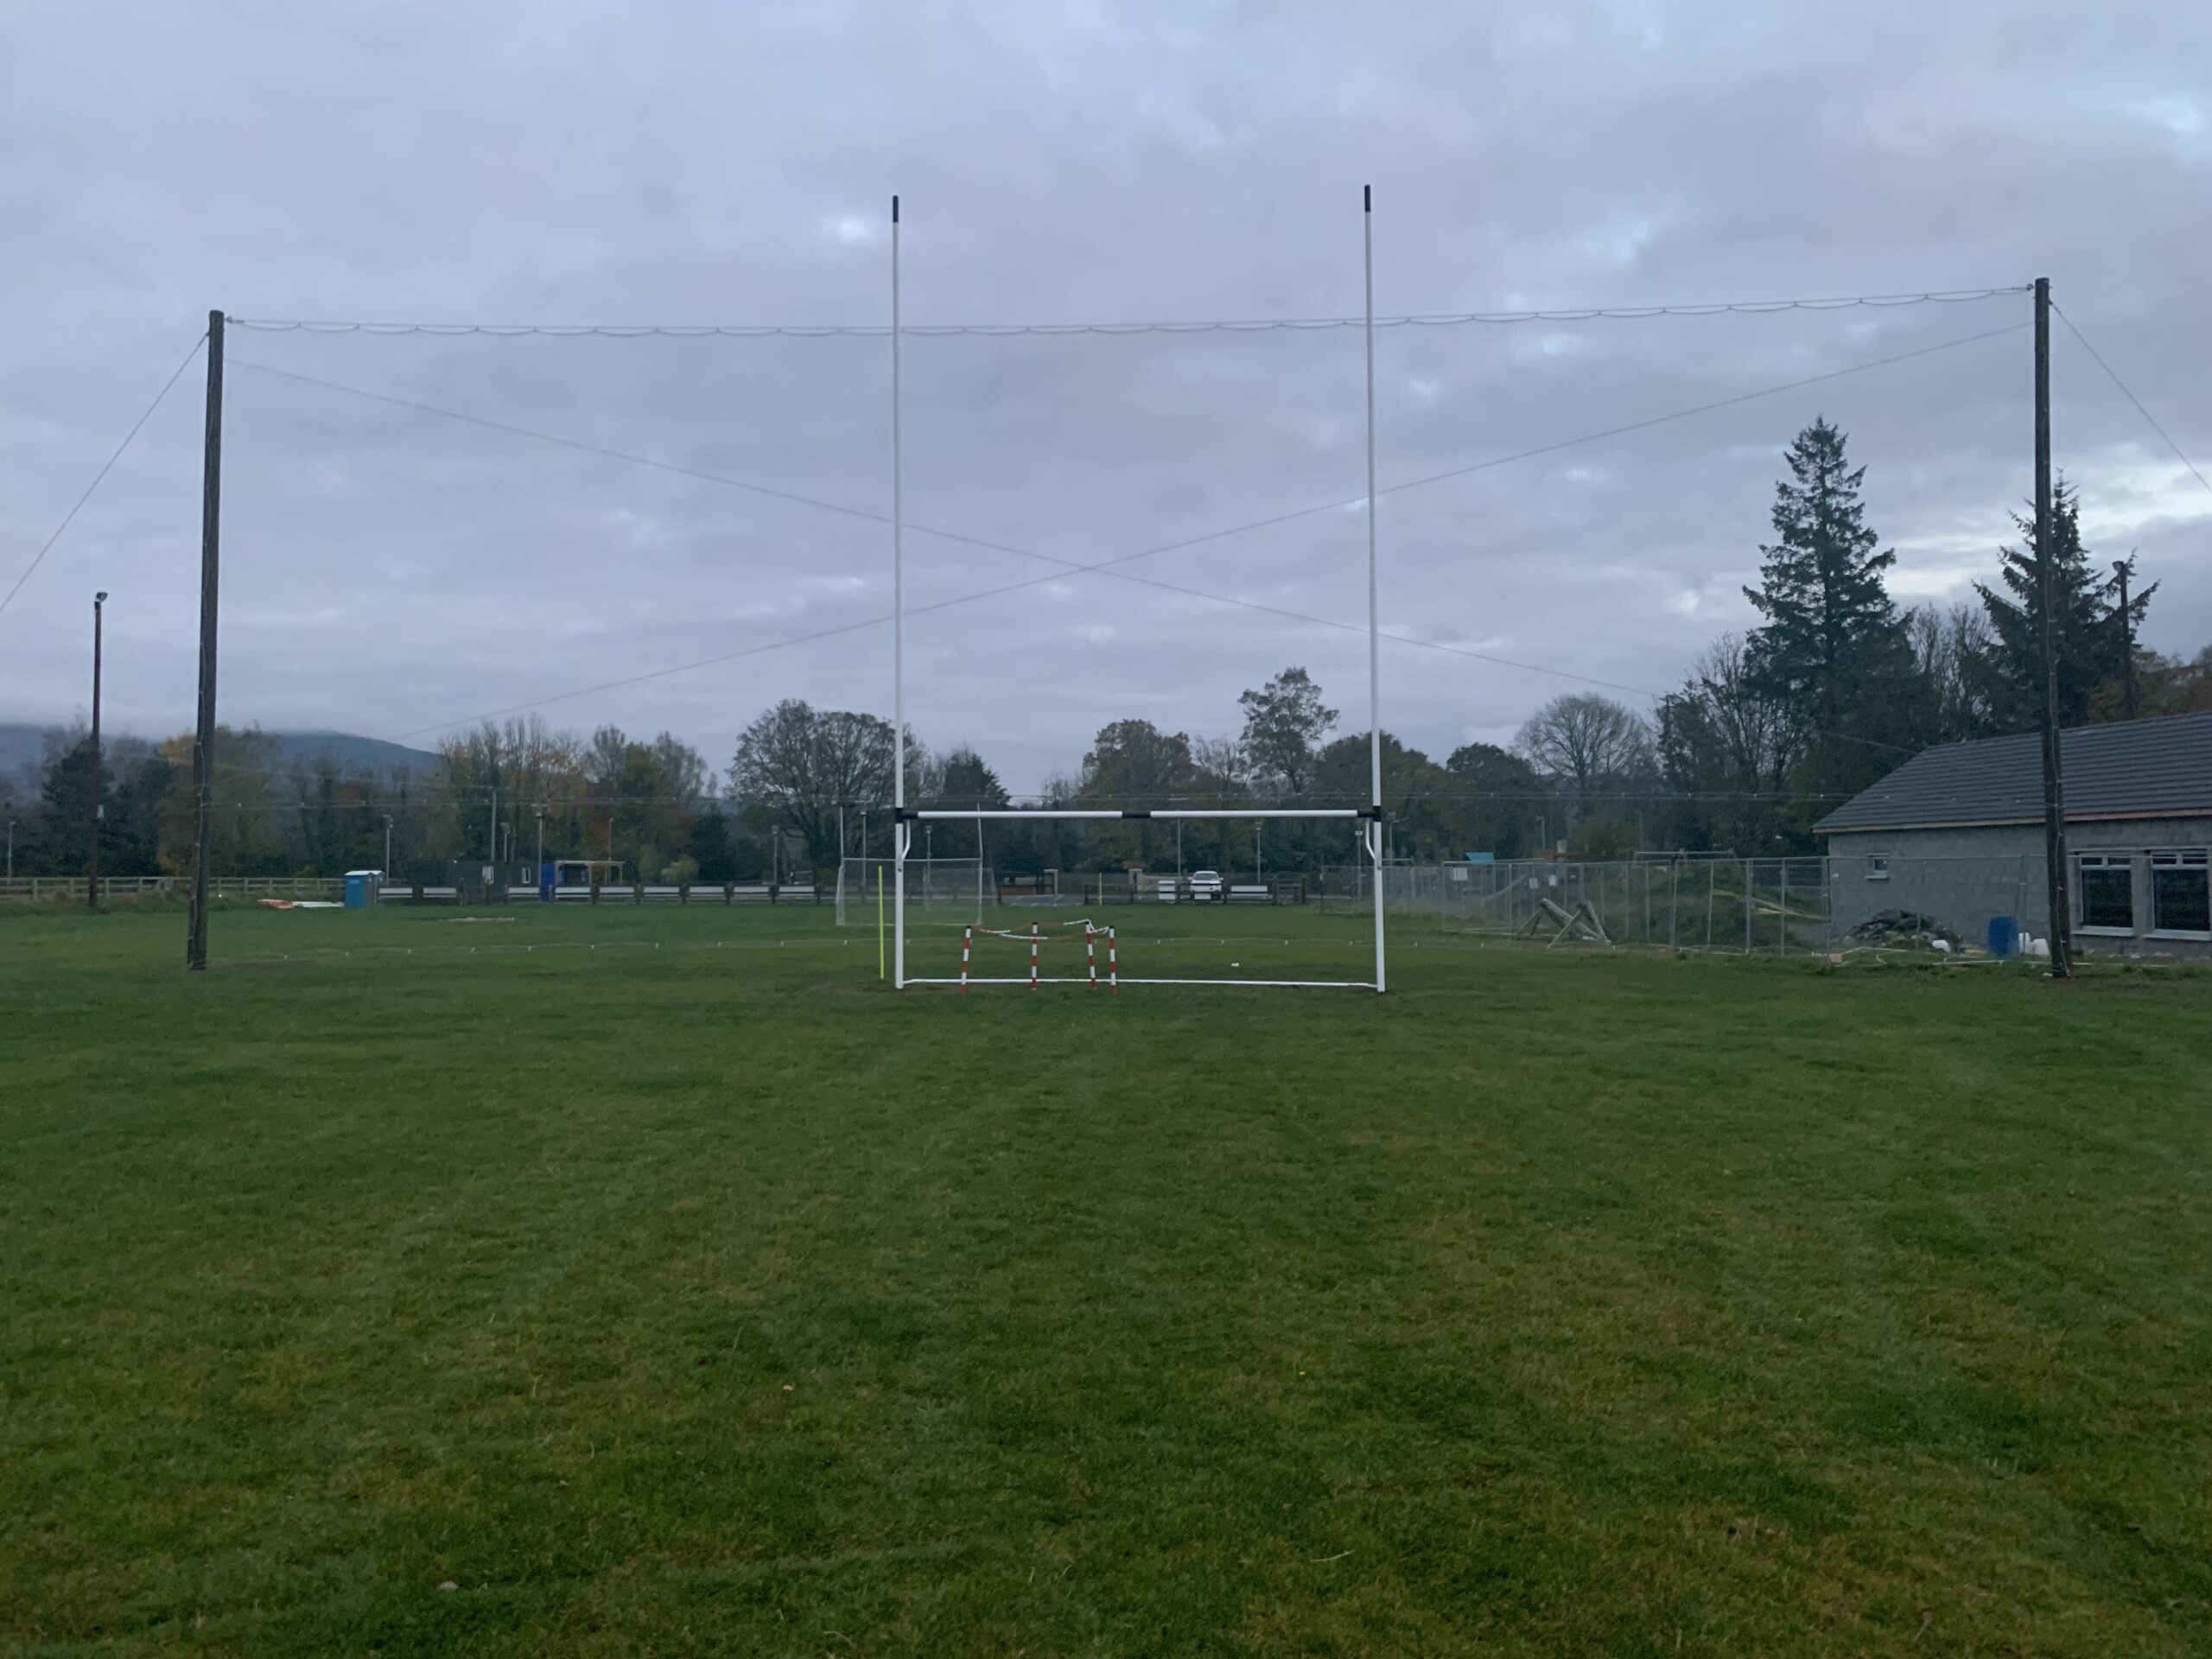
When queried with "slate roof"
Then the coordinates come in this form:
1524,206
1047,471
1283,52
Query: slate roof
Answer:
2129,769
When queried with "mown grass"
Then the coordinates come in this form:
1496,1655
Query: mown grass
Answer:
677,1298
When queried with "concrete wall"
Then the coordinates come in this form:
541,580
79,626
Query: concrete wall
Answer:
1964,877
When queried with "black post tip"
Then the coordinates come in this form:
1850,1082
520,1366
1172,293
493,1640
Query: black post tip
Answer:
895,210
1366,198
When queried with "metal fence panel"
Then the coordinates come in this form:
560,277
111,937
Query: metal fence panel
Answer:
1764,906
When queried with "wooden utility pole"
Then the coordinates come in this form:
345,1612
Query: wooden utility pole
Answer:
2058,888
2124,569
203,742
92,860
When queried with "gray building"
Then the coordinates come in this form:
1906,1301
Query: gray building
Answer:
1956,833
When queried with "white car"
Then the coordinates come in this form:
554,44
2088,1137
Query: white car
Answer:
1204,885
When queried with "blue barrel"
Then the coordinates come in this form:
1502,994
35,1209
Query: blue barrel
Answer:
2004,935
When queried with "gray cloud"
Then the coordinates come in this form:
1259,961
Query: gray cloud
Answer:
577,162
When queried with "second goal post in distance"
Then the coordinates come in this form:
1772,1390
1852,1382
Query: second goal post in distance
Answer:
953,891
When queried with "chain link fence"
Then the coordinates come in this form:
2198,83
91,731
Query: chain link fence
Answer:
1742,906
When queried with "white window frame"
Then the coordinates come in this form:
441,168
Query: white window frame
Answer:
1877,866
2182,858
2084,863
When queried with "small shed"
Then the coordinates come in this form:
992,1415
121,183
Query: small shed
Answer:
1956,833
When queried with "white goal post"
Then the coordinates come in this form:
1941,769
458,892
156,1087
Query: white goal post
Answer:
905,818
1369,819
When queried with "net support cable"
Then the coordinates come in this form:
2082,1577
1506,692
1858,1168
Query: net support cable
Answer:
1197,326
1109,567
904,818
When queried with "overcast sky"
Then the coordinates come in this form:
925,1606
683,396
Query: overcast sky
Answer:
388,570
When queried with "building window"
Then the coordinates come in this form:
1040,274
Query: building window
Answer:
2181,899
1878,867
2108,891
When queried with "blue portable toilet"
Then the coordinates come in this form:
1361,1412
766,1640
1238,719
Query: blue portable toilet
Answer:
545,881
361,888
2004,935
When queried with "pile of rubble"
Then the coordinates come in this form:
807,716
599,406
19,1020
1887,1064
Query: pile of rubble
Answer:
1904,929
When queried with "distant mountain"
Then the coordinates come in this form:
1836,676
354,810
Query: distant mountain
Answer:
24,746
354,754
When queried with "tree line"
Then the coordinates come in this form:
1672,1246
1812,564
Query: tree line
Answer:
1833,686
488,795
1836,685
804,787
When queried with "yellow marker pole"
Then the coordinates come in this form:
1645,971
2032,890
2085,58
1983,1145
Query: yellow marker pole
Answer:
879,969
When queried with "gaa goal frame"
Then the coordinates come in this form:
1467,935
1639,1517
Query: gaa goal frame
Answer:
1369,816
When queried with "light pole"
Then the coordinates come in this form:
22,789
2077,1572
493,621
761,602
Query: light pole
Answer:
387,846
92,862
540,811
11,849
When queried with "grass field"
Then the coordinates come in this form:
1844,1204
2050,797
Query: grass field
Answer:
691,1295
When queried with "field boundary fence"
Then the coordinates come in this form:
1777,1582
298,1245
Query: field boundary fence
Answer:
1774,907
121,889
1755,907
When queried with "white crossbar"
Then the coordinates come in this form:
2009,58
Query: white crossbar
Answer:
1130,979
1044,814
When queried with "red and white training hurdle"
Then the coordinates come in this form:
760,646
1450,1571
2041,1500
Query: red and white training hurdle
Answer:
1035,938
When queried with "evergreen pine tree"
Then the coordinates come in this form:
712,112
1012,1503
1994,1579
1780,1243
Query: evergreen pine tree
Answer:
55,840
131,833
969,780
2091,637
710,846
1832,650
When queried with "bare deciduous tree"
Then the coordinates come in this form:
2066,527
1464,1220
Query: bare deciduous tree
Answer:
1726,746
1586,742
802,762
1951,650
1224,768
